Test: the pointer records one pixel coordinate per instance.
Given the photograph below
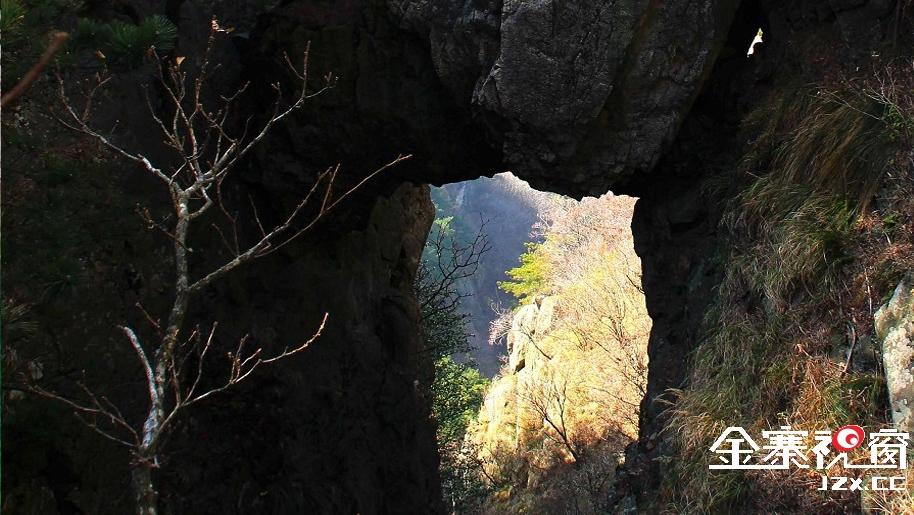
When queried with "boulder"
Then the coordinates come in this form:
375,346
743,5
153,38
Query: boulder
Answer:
895,328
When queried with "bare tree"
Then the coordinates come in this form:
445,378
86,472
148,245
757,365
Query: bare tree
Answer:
447,263
501,324
547,396
205,150
608,313
590,252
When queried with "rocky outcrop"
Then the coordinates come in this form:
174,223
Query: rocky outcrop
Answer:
576,95
343,428
531,321
676,224
507,435
506,422
895,328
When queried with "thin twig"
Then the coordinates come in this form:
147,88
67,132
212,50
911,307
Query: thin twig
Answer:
57,41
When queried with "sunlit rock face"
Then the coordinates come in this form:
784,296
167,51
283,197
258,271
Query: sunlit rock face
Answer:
506,423
531,321
895,327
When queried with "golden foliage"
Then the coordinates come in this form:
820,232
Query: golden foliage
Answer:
555,421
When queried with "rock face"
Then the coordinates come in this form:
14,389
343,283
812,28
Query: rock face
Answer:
895,327
342,429
505,420
531,321
575,96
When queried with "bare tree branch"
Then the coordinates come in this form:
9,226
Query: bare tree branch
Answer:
204,150
57,41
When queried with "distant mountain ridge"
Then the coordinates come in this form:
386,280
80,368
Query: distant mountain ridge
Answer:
506,209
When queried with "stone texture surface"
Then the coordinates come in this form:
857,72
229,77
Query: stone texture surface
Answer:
531,321
676,224
895,328
577,96
507,422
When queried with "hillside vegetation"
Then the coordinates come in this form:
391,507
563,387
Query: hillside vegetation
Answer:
821,234
505,209
557,417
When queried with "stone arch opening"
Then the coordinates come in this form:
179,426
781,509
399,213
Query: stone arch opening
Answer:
647,101
533,313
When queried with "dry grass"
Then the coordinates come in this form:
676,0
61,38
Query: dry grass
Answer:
842,146
894,503
811,256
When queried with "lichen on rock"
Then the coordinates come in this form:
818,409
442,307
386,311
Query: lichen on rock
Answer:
895,328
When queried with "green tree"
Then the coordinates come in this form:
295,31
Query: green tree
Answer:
530,278
457,392
457,388
445,264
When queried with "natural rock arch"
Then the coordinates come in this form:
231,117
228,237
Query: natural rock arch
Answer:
576,97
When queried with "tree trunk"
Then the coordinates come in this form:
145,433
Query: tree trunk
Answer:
143,489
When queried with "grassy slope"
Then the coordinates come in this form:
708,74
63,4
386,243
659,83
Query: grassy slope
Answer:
819,236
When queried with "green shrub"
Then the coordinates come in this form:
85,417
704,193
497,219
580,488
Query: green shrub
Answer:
458,392
12,16
528,279
24,26
124,43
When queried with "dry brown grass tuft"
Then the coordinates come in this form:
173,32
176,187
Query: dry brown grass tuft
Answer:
824,229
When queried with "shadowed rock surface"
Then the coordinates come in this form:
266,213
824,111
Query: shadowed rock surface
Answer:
576,97
579,95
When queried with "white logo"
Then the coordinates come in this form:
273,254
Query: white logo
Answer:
785,448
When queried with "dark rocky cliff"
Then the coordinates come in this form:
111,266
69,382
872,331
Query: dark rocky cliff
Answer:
638,96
